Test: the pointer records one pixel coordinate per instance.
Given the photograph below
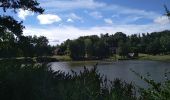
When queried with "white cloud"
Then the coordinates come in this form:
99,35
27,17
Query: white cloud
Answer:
96,15
115,15
128,19
60,5
131,11
48,18
71,4
22,14
70,20
70,32
108,21
74,16
162,20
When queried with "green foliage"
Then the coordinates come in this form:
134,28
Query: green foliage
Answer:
25,46
12,41
8,24
94,47
123,49
31,81
38,82
32,5
77,49
156,90
167,11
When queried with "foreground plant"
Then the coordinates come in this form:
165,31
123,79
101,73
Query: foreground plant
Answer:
156,90
39,82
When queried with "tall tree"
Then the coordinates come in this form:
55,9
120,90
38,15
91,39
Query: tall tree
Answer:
77,49
11,27
167,11
31,5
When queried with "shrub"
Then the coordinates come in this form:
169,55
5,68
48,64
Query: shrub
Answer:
39,82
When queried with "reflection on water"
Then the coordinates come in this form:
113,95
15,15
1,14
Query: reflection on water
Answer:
120,69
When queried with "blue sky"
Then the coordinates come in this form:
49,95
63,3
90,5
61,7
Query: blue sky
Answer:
69,19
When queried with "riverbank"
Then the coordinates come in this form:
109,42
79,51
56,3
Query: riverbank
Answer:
117,58
30,59
67,58
154,57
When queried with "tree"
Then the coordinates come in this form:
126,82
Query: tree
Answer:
165,44
119,36
167,11
123,49
154,47
26,46
77,49
40,45
11,31
88,47
31,5
101,49
9,24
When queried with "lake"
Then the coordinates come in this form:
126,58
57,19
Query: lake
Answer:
120,69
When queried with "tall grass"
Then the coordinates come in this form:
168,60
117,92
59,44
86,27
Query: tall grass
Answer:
39,82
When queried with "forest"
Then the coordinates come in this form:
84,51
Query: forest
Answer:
105,45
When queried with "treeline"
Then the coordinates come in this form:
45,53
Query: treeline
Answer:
105,45
14,44
24,46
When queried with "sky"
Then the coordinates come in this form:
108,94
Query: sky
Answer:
70,19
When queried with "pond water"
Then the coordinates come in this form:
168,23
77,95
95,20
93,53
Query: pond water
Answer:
120,69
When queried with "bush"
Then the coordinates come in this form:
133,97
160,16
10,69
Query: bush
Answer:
39,82
156,91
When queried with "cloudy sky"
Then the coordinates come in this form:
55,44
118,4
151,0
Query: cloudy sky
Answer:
69,19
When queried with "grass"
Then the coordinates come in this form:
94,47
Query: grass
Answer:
62,58
154,57
67,58
110,59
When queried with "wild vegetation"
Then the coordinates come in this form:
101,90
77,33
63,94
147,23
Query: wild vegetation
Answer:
39,82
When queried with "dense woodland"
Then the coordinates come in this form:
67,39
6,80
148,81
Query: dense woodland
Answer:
106,45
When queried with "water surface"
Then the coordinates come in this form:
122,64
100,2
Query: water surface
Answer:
120,69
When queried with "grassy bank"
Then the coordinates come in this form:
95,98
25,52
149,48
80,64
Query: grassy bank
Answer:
117,57
67,58
154,57
62,58
30,59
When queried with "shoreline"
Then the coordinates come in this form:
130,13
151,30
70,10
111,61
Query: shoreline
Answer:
142,57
